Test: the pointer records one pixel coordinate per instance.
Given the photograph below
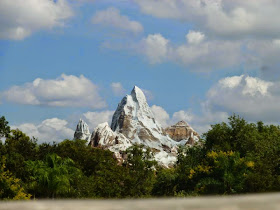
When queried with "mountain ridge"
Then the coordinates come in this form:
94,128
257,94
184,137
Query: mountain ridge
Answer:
133,122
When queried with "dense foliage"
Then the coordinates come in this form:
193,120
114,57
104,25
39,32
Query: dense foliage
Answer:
234,157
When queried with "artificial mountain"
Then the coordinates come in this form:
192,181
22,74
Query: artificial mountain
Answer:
134,123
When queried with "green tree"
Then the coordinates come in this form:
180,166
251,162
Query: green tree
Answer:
10,186
88,159
222,173
258,142
53,177
19,142
107,182
4,127
165,182
4,132
44,149
141,171
19,148
103,177
188,159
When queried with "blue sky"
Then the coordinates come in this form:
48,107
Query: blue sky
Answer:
196,61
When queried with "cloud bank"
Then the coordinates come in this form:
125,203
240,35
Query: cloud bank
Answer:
64,91
49,130
111,17
19,19
117,89
251,97
231,19
95,118
197,52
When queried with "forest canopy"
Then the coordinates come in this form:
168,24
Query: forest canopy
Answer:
233,158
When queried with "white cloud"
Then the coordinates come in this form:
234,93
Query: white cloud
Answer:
251,97
95,118
200,123
206,55
19,19
148,94
182,115
195,37
227,18
66,90
49,130
197,54
160,115
211,55
264,55
55,129
117,89
225,35
155,47
111,17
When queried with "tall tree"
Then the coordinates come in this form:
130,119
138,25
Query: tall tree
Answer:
19,148
4,127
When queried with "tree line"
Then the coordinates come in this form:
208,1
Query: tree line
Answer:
232,158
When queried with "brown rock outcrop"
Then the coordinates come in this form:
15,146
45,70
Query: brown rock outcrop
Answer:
182,131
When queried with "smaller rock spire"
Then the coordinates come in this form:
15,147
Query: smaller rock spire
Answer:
82,131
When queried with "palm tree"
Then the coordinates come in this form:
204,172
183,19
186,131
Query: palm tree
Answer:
53,176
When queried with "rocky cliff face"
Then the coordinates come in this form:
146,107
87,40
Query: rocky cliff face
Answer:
103,137
82,131
182,131
134,123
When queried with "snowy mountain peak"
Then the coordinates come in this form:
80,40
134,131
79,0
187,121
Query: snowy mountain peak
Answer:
82,131
133,116
138,95
134,123
141,103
